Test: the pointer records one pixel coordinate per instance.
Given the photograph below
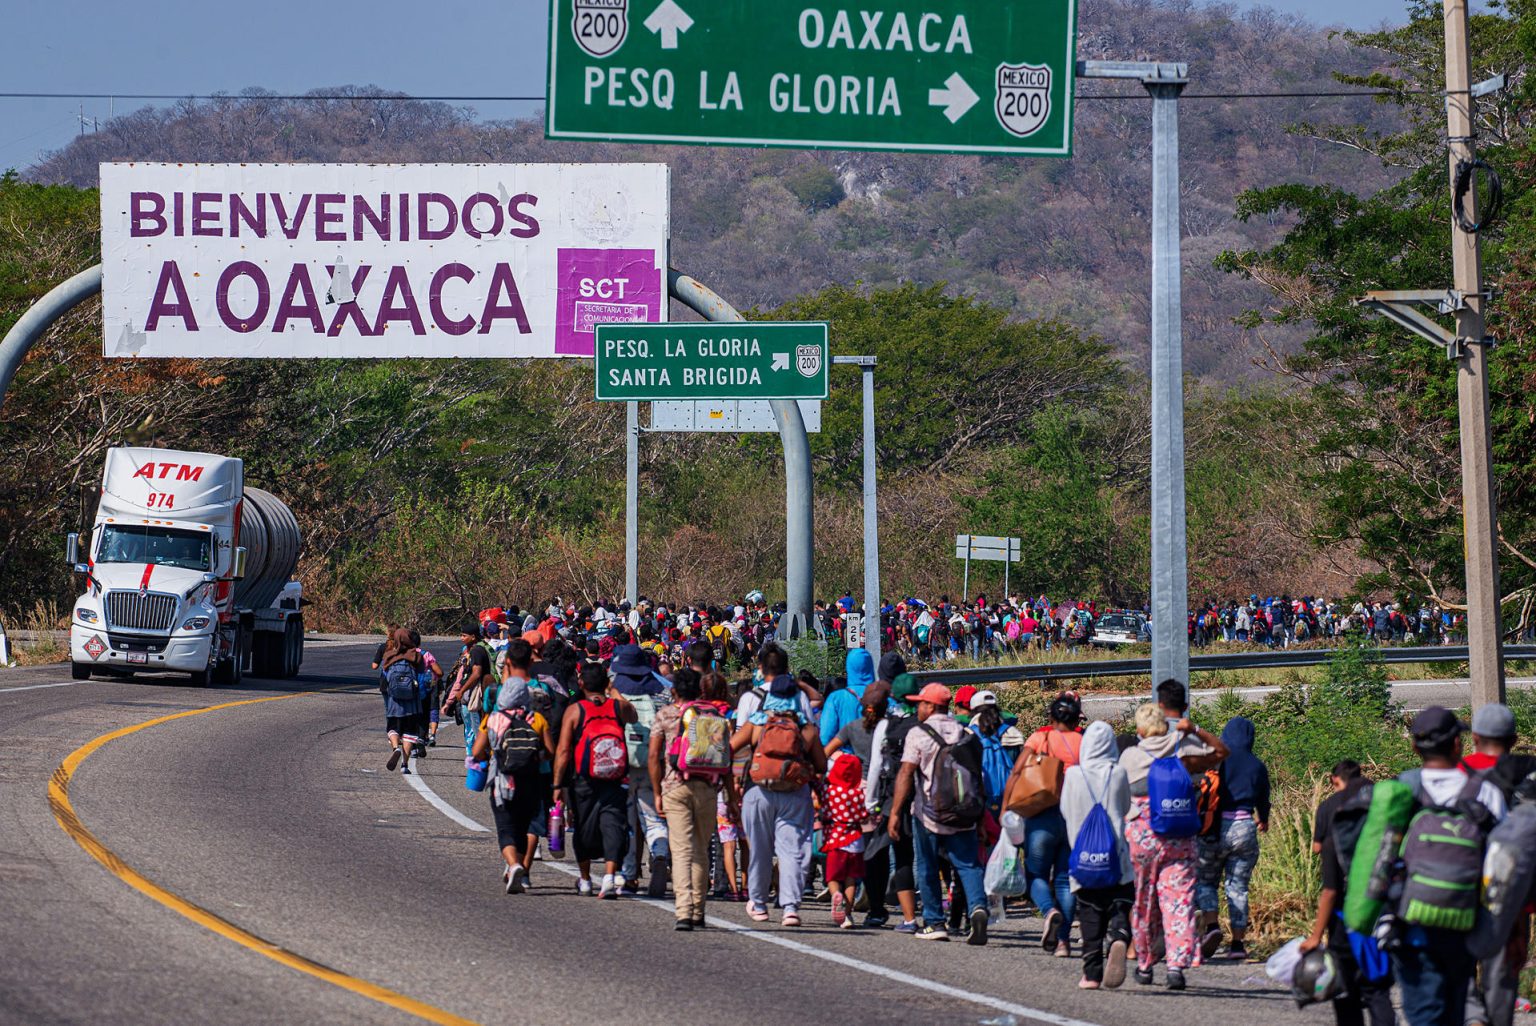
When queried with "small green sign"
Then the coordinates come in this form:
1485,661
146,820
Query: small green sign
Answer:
962,76
715,360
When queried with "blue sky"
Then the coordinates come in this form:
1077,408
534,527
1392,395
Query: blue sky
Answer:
166,46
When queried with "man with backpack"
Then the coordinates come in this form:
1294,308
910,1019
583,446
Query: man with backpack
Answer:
634,678
941,775
474,676
1442,865
688,761
888,859
592,778
518,741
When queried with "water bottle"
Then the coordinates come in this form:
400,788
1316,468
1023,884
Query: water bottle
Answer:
556,830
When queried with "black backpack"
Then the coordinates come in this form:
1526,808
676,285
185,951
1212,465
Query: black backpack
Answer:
891,748
519,749
1348,821
956,787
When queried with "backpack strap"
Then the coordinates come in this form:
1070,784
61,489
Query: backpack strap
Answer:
938,738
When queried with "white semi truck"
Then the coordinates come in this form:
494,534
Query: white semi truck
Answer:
186,570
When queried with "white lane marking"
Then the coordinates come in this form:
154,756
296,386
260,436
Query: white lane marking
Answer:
895,975
60,684
414,779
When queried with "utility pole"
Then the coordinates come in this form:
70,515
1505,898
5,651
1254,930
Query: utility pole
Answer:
632,503
1480,521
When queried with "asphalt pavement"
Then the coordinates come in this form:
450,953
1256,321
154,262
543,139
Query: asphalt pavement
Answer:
256,863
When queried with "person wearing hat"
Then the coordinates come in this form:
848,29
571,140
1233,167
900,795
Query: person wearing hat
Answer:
887,870
930,838
1433,967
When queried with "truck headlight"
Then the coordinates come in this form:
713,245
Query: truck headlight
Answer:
195,623
85,615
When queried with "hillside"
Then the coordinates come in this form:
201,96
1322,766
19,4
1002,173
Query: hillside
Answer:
1051,238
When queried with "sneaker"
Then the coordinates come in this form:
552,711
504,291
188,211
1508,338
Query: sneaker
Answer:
660,871
1053,920
683,926
757,913
394,760
1237,951
405,769
611,885
978,935
847,923
627,886
931,932
432,741
839,913
791,917
698,922
515,880
584,887
875,922
1144,976
1209,942
1175,979
907,927
1114,964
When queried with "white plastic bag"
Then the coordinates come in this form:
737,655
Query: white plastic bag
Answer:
1005,874
1281,966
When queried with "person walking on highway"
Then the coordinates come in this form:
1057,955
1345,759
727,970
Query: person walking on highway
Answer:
1233,849
405,718
518,739
474,672
937,733
432,687
1165,865
1046,848
1103,910
592,778
777,812
842,706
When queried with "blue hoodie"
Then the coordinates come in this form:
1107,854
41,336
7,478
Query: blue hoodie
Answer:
843,707
1244,777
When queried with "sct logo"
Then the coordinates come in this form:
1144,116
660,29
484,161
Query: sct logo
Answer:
603,288
184,472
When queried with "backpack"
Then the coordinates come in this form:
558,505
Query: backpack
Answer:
600,750
995,766
518,748
400,682
637,735
779,762
1095,858
1443,860
1208,803
1172,800
891,747
702,748
921,634
1376,848
1509,870
548,697
719,638
955,790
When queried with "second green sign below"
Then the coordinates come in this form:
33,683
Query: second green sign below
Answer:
724,360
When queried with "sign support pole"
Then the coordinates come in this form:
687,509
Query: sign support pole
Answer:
866,365
632,503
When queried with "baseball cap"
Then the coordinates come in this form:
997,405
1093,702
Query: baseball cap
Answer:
933,694
874,693
981,699
1494,720
963,695
904,688
1436,725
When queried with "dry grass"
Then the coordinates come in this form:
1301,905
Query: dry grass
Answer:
1282,896
42,617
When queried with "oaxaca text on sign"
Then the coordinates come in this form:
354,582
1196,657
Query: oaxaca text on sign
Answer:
731,360
977,76
369,260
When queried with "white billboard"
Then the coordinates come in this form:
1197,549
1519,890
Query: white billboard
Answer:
378,260
727,415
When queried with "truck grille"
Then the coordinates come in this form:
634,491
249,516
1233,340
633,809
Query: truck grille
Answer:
128,610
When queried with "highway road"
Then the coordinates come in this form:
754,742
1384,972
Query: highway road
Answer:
174,855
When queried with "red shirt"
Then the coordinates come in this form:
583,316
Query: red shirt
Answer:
1478,761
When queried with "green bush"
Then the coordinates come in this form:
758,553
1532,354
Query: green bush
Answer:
1357,674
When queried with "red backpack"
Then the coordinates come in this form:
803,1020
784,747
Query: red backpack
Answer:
601,753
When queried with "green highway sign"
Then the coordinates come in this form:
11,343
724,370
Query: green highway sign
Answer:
715,360
960,76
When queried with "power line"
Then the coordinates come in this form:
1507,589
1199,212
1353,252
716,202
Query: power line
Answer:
1285,95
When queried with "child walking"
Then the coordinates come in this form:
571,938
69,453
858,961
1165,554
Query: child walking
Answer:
844,813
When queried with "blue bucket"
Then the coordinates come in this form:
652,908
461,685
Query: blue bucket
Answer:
475,775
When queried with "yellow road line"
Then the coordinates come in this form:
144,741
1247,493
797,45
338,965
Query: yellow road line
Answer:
64,812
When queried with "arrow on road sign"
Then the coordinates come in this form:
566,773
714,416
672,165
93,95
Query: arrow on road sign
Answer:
956,97
780,362
668,20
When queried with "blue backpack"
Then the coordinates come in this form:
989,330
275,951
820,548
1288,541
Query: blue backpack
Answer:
995,766
1095,859
1172,801
400,682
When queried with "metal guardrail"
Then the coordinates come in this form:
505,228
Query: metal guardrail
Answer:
1198,664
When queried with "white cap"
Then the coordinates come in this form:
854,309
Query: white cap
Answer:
982,698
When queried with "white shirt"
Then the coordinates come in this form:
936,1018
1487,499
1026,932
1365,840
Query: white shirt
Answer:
1443,787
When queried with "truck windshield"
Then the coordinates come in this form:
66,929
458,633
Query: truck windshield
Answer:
161,546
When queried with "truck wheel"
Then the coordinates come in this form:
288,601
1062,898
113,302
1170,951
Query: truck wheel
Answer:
293,646
198,679
229,671
79,671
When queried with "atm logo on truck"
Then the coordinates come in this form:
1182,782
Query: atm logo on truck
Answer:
184,471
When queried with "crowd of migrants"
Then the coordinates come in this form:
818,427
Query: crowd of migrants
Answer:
926,811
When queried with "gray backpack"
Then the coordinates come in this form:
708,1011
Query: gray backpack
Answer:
1443,860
